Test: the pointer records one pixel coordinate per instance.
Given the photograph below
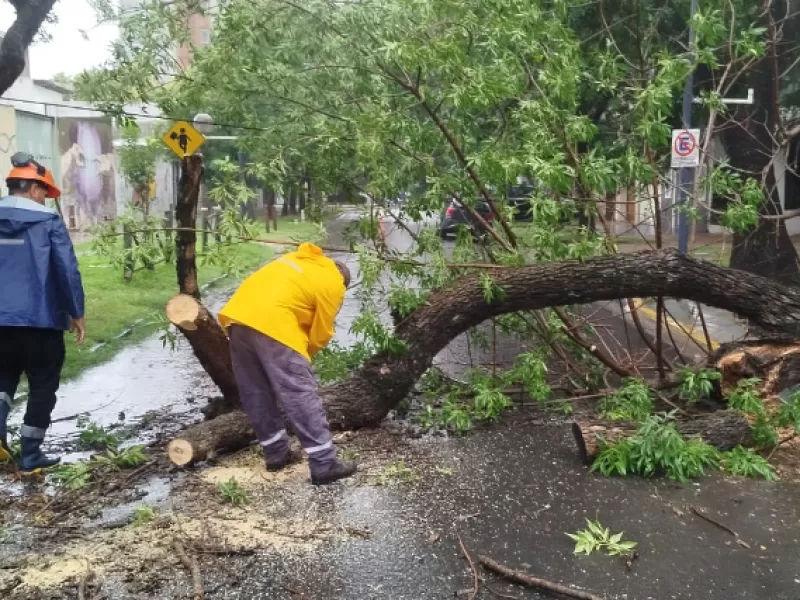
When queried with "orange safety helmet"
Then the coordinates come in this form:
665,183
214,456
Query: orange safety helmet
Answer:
24,167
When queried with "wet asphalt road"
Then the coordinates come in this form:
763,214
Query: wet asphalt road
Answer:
514,491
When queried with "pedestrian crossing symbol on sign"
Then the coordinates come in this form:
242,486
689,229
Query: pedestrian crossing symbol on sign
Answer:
183,139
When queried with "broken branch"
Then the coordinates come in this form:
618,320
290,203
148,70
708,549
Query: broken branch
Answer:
471,567
190,562
534,582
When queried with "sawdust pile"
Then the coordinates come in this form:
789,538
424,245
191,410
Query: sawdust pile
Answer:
276,517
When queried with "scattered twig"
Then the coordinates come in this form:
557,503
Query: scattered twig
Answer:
474,591
364,534
700,513
191,564
84,582
534,582
788,438
227,551
292,589
669,402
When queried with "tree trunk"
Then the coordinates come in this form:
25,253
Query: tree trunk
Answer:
30,16
186,216
208,341
269,210
228,433
129,265
366,396
723,429
751,144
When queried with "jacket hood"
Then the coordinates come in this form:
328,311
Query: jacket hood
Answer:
18,214
308,250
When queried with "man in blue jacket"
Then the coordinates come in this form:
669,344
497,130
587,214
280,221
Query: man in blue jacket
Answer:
41,296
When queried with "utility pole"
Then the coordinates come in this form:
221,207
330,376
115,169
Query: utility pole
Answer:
687,173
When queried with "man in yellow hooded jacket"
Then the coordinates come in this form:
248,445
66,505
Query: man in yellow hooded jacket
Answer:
277,320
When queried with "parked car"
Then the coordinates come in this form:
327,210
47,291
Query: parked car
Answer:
455,215
519,198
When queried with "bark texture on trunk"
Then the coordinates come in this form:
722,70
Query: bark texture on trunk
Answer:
186,217
723,429
208,341
227,433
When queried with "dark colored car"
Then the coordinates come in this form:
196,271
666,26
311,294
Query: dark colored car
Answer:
455,215
519,198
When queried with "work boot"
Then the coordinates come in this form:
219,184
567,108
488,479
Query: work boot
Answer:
33,460
290,458
5,410
334,471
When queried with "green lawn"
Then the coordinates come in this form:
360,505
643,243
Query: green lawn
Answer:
289,229
112,305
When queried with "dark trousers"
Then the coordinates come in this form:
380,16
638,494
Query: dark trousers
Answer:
39,353
269,376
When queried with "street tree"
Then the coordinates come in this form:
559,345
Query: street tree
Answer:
454,100
137,163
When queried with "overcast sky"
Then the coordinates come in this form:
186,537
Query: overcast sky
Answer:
68,52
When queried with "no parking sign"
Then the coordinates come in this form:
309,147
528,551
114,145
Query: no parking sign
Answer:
685,148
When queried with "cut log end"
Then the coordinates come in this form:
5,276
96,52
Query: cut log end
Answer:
180,452
205,440
183,311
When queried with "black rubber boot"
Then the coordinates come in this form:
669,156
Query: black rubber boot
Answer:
33,460
291,458
5,410
337,470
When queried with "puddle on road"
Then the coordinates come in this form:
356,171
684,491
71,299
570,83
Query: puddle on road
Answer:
154,492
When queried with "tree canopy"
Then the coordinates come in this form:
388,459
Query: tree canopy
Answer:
456,99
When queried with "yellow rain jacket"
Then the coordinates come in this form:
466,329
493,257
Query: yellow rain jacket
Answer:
294,300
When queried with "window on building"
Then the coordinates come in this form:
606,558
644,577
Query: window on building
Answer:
205,37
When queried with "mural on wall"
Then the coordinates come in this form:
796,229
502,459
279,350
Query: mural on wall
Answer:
87,171
161,191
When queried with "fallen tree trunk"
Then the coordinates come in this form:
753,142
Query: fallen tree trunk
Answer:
208,341
227,433
367,395
723,429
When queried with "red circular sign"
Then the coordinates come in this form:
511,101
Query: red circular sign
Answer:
685,143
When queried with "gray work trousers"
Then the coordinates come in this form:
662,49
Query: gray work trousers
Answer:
270,374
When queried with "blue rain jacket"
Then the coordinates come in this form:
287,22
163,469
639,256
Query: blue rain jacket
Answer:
40,285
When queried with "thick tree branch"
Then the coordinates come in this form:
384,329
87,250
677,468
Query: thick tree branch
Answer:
367,396
30,16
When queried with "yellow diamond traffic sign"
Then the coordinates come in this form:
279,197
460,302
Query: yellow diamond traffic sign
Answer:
183,139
